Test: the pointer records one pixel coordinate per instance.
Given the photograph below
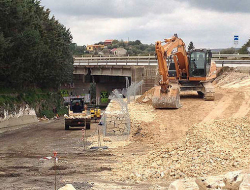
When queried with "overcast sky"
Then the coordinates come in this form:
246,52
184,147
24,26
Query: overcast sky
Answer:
208,23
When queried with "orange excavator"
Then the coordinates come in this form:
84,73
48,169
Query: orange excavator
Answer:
182,71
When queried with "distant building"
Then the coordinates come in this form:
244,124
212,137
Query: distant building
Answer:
95,47
119,51
108,42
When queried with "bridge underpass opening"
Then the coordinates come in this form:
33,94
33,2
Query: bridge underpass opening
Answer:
106,84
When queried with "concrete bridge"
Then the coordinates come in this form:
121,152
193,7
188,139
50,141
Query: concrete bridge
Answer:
146,60
109,72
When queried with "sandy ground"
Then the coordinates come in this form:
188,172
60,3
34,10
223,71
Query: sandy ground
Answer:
21,150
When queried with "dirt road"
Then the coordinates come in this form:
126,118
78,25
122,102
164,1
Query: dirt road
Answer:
21,150
127,161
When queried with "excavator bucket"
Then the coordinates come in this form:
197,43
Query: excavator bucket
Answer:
170,99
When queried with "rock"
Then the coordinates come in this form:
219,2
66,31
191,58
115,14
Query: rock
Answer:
67,187
146,99
245,185
233,180
177,185
202,184
106,139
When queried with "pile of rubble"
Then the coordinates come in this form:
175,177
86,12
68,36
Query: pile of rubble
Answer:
208,149
230,77
237,180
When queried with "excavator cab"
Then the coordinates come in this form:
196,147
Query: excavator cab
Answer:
200,61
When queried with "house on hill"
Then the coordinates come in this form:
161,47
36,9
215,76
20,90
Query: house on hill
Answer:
95,47
119,51
108,42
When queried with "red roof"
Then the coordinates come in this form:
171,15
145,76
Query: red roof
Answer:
108,41
114,49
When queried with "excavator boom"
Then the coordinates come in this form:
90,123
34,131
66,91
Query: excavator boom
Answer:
167,95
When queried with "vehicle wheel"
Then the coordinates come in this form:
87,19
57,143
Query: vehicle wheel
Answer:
200,93
66,127
87,125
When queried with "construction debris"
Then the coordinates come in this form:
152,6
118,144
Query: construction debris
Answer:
208,149
237,180
67,187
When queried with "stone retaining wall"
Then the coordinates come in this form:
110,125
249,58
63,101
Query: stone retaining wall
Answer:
116,121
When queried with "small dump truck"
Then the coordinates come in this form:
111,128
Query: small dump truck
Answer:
95,113
77,116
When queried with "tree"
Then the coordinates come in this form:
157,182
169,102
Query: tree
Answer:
191,46
243,49
78,50
138,42
35,49
228,51
115,42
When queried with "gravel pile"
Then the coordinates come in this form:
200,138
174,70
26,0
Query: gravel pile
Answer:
230,77
208,149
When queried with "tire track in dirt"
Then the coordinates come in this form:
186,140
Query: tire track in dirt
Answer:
242,83
219,109
235,104
245,106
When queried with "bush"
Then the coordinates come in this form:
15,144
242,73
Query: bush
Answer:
47,113
62,111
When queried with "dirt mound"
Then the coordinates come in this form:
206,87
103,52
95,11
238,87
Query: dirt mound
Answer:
208,149
146,97
230,77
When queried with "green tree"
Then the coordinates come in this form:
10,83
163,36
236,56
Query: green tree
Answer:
243,49
115,42
35,48
137,42
191,46
228,51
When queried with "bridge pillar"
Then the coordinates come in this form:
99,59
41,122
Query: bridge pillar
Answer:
108,78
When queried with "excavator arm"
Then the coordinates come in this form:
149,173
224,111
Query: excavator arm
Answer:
180,59
168,95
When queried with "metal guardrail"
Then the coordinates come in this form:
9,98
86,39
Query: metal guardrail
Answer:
151,60
130,60
137,62
228,56
232,63
153,57
141,62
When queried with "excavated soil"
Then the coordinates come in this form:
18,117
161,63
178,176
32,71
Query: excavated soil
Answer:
201,138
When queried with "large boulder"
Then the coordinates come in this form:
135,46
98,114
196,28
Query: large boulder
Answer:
245,185
176,185
67,187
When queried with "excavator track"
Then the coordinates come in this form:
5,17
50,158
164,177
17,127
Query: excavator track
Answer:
208,91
